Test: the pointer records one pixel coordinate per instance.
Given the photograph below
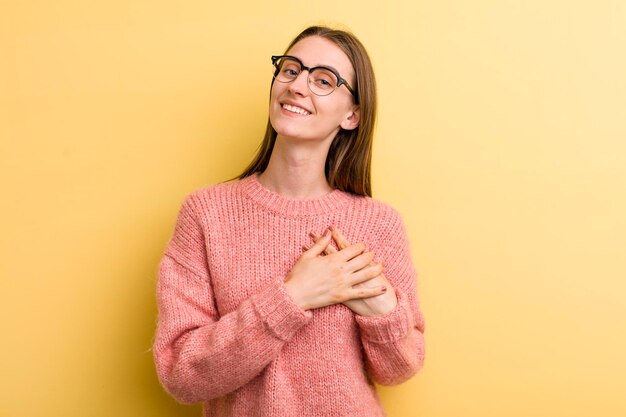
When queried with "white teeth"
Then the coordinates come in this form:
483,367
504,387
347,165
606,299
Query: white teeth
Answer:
295,109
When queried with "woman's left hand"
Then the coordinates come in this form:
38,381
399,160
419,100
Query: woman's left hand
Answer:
373,306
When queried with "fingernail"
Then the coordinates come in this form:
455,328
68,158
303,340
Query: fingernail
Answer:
312,235
331,227
384,289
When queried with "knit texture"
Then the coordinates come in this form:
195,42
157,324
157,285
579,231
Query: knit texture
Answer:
230,336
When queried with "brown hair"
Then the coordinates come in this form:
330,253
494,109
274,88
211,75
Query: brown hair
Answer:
348,163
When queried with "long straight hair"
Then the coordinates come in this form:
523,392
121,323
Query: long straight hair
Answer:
349,159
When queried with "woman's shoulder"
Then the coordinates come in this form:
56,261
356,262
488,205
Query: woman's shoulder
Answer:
215,189
213,194
377,210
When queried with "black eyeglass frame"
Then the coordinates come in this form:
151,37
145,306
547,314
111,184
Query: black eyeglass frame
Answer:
340,81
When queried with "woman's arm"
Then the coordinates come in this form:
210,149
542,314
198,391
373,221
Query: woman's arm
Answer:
198,354
391,324
394,342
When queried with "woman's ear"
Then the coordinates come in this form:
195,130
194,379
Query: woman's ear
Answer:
352,121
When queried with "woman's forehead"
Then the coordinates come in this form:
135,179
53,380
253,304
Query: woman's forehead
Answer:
315,51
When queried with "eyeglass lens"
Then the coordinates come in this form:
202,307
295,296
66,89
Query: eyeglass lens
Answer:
321,81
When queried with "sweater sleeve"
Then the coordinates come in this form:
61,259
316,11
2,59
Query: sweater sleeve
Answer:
198,354
394,343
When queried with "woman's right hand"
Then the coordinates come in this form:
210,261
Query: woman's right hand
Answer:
318,281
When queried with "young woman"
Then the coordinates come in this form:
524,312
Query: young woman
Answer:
289,290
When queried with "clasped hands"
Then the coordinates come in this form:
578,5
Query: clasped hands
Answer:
325,276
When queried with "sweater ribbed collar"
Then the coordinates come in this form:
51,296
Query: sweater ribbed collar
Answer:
291,207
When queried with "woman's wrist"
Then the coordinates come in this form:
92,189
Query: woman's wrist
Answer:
293,294
381,305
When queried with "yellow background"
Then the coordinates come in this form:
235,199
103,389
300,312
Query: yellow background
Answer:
501,141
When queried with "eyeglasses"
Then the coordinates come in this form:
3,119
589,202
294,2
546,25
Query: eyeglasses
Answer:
322,80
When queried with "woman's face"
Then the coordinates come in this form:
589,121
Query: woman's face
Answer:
318,117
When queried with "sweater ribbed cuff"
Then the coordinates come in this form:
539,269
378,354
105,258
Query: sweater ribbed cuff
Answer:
390,327
278,312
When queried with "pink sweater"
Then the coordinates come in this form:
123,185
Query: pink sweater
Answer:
230,336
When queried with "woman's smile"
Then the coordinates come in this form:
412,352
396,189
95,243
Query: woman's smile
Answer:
288,108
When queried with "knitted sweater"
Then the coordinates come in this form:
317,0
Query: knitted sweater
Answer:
230,336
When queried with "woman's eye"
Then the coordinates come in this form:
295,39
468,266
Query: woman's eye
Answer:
324,82
291,72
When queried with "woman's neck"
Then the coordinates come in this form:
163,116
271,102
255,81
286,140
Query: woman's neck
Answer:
296,170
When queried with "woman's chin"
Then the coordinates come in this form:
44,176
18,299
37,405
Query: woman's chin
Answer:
288,131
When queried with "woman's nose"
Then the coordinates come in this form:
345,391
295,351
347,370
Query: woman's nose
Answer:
300,85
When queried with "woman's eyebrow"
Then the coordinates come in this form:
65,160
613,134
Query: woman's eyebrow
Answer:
316,66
